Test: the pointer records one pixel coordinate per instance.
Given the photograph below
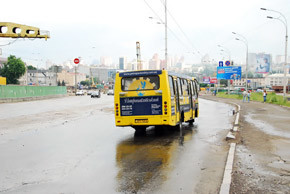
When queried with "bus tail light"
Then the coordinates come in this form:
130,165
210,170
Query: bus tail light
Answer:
117,109
165,107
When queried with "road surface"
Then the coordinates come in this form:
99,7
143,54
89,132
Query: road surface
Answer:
71,145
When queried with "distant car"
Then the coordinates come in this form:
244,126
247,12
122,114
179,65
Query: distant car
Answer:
110,92
80,93
89,92
95,94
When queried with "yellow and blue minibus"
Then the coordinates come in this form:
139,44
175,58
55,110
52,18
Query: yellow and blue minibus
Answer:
154,98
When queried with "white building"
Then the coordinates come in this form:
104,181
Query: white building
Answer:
39,78
106,61
277,79
253,82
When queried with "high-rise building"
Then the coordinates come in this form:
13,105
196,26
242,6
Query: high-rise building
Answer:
163,64
48,64
280,59
122,63
154,63
106,61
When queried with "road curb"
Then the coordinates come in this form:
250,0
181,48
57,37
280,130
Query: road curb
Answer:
227,178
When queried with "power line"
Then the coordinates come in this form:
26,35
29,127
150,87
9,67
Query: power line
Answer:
154,11
181,29
162,22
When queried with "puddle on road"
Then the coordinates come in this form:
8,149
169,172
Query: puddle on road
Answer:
265,127
144,161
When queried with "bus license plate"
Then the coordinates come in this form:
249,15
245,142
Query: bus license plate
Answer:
141,120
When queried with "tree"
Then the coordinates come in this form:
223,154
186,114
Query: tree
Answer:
30,67
203,85
63,83
58,83
96,80
85,83
13,69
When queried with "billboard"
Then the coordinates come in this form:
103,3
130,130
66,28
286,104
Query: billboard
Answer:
206,80
229,72
147,105
213,80
263,62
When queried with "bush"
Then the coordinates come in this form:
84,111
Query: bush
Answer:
258,96
273,99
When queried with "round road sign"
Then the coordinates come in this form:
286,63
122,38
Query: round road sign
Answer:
228,63
76,61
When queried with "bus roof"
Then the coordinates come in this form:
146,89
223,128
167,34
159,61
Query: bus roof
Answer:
152,72
180,75
140,73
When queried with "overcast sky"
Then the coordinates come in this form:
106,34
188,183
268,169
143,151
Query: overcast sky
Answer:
94,28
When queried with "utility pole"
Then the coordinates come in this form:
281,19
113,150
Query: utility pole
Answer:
245,41
166,57
75,79
285,80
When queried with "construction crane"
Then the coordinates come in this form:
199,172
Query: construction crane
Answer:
93,85
139,64
13,30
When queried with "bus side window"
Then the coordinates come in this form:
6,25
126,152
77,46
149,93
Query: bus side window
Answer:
190,89
186,87
122,84
179,87
170,79
196,88
193,89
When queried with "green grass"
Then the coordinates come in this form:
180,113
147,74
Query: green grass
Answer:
258,96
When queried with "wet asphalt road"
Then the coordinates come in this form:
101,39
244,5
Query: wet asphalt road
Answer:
71,145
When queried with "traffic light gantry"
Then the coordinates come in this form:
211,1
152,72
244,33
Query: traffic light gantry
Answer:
13,30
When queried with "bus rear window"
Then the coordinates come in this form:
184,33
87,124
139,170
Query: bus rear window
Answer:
140,83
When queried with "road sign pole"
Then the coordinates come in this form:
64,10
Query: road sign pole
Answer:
75,80
229,81
218,85
76,61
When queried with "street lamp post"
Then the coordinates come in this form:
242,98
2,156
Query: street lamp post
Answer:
165,8
244,40
286,43
165,28
224,49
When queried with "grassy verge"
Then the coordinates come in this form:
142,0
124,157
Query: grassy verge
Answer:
258,96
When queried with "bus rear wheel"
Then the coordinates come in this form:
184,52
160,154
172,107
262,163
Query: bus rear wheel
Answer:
191,122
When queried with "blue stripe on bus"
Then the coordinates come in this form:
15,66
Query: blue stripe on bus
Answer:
140,73
145,105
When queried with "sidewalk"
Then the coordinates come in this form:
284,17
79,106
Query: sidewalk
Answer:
262,159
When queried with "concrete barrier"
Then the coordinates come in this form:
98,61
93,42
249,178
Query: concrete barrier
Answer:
14,93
